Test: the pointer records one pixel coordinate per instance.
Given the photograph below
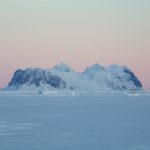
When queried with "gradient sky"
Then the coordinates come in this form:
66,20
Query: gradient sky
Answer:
42,33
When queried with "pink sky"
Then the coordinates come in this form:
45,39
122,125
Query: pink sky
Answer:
80,33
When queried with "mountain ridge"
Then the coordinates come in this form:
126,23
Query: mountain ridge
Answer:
63,77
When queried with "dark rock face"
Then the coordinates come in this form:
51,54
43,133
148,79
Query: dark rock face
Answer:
123,80
133,78
36,77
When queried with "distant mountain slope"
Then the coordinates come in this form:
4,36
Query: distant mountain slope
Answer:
36,78
63,77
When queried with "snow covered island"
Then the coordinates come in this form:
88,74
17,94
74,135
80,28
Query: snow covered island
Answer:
63,77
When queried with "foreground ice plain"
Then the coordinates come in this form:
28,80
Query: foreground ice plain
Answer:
96,122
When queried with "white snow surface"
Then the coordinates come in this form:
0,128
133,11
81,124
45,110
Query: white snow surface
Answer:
114,121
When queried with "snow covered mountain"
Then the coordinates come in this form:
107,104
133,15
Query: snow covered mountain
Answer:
33,78
63,77
114,77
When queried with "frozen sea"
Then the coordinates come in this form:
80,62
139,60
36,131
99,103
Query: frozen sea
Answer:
80,122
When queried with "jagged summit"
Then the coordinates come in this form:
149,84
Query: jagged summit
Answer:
62,76
115,67
94,68
62,67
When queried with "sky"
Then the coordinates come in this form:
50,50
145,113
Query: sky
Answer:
43,33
